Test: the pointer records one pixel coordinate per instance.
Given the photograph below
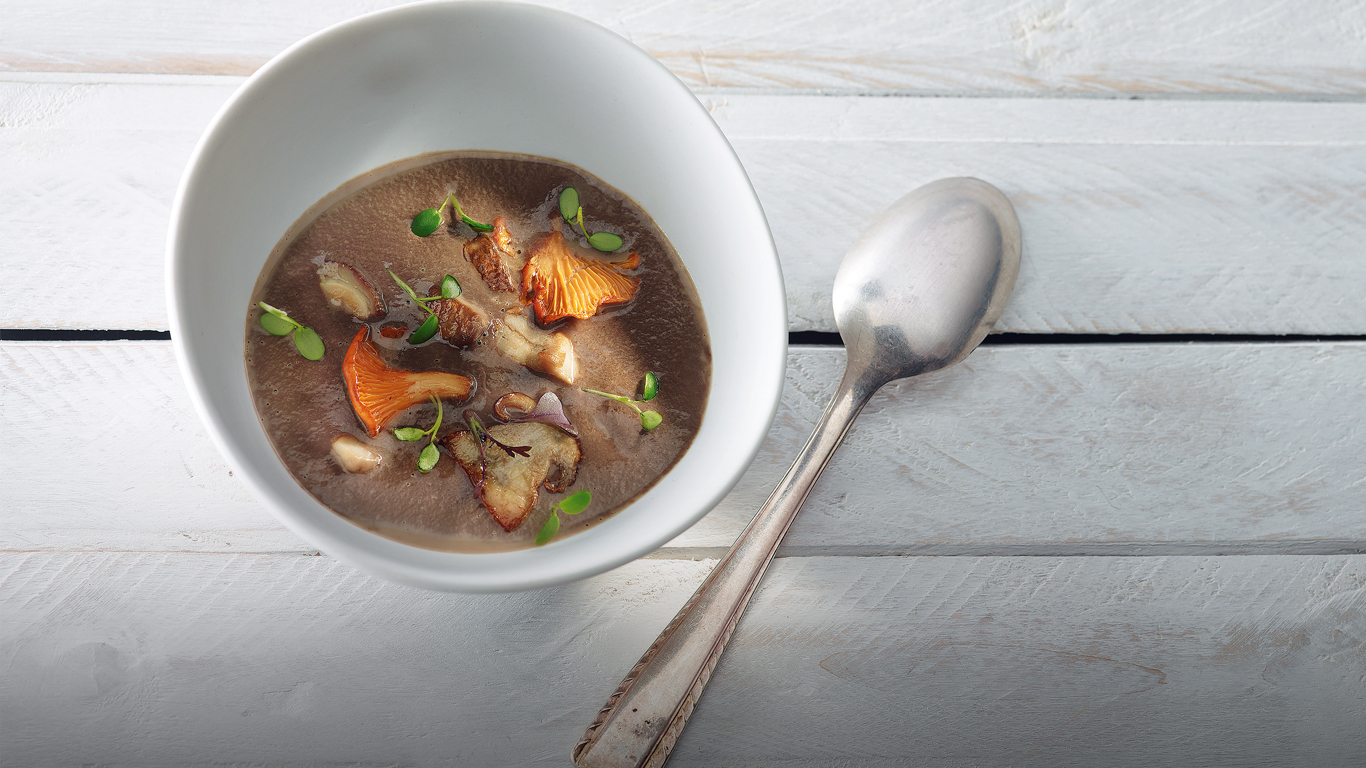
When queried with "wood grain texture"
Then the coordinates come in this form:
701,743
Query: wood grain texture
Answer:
1261,47
1029,449
195,660
1138,216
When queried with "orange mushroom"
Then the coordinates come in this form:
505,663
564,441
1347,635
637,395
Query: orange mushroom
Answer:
559,283
379,393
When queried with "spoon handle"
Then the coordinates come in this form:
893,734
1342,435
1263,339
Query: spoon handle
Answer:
640,722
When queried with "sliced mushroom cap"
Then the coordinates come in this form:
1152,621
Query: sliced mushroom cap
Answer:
521,341
460,323
509,485
489,253
346,289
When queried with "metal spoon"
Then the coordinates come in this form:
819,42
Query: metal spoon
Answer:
919,290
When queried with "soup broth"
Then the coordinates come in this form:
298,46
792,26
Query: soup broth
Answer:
364,229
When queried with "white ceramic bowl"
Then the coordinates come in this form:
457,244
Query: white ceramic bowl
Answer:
494,76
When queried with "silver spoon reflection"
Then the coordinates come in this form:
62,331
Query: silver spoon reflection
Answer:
918,291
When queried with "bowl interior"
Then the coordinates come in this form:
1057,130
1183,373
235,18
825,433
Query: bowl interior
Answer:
490,76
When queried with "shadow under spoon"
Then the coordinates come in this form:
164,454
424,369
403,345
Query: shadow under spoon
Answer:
917,292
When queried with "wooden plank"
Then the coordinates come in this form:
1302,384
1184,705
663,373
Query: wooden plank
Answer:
149,660
1032,449
88,172
958,46
1139,216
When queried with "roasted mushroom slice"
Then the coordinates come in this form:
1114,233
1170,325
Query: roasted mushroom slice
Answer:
520,340
459,323
489,253
508,483
346,289
560,283
379,393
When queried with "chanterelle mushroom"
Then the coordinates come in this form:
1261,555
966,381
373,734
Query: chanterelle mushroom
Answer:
379,393
509,484
559,283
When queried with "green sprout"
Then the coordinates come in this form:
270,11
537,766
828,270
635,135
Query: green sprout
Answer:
429,456
277,322
570,505
429,220
649,388
573,215
450,289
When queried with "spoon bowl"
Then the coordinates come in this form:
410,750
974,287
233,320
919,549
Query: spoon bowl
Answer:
918,291
923,285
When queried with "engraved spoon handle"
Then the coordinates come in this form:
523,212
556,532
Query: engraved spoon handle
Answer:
640,722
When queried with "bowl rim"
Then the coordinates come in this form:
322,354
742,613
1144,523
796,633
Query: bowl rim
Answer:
426,570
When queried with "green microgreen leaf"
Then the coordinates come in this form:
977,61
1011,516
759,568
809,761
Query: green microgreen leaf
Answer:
429,455
276,325
428,458
570,505
426,222
573,505
605,241
450,288
569,203
280,313
648,419
424,331
307,341
277,322
572,212
477,226
411,293
650,387
280,323
578,221
548,531
431,324
609,396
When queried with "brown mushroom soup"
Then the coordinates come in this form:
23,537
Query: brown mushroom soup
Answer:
448,347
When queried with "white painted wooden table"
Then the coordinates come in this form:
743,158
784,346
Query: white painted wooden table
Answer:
1076,549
